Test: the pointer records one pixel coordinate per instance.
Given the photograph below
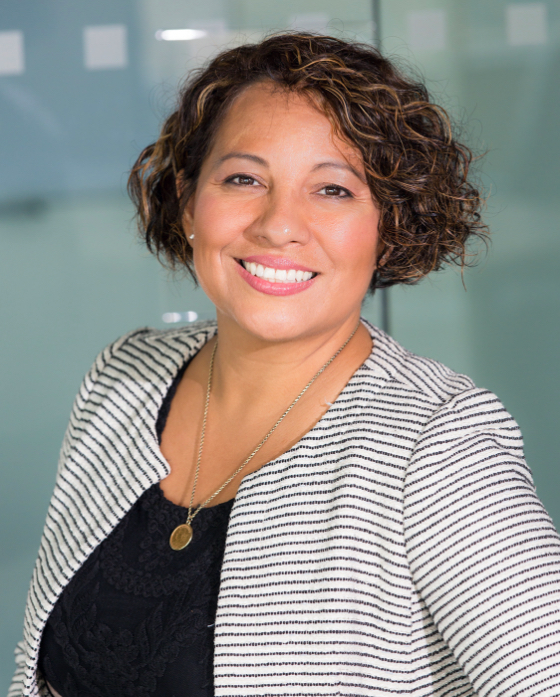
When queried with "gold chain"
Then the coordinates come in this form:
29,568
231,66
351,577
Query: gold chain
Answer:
191,515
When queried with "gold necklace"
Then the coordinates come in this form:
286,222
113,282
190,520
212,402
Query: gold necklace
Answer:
182,535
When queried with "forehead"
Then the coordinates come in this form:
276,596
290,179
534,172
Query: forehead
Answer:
264,115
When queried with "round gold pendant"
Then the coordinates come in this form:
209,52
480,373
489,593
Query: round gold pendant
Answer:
180,537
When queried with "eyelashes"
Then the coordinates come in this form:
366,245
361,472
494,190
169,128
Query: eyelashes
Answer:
244,180
334,187
330,190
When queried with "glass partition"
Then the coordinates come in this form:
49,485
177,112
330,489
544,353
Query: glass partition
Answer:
495,66
83,87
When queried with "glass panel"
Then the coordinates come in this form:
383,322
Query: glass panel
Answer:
495,66
83,87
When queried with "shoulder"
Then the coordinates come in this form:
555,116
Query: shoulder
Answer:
462,438
128,380
448,405
138,366
424,378
151,352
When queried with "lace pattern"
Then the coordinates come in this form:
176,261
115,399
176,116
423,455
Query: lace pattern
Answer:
138,617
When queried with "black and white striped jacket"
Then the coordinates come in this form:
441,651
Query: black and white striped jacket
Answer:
398,548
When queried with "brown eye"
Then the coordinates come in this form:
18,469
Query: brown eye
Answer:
242,180
335,191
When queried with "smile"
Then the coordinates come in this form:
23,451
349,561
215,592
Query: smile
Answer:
272,280
273,275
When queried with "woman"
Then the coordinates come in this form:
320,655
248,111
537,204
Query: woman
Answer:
288,502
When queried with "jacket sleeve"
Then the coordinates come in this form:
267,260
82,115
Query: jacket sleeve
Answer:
484,554
16,688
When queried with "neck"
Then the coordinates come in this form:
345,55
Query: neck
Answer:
248,368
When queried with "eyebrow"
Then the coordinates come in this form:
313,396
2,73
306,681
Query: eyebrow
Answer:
242,156
261,161
340,165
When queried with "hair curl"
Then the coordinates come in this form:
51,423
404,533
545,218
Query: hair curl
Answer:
416,170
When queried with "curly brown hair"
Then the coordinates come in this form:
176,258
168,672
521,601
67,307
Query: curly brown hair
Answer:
416,170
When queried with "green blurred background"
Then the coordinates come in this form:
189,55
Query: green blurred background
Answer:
84,86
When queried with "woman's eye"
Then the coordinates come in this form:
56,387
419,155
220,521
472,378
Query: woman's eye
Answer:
242,180
335,191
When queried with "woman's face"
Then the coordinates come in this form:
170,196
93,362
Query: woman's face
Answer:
285,227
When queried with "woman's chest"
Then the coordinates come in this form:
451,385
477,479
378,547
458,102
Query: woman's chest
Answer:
137,617
316,577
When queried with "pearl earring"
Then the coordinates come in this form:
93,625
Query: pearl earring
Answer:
191,237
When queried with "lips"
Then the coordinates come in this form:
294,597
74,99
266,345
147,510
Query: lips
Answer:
275,276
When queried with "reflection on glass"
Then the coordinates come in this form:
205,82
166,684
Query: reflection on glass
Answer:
174,317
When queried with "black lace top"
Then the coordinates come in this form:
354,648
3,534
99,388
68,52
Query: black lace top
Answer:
137,619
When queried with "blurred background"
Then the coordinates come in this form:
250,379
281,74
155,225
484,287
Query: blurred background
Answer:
85,85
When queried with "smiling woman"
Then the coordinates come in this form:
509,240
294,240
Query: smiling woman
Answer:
277,190
286,501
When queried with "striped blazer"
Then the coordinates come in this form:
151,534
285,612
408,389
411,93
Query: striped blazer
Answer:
398,548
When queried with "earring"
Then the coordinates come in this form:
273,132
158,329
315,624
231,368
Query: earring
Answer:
191,237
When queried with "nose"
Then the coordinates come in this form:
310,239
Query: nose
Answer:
280,222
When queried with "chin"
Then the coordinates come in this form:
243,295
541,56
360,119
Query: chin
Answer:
280,319
279,326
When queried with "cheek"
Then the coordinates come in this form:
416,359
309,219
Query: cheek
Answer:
209,222
218,226
352,243
217,221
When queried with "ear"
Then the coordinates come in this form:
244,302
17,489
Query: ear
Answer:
188,220
187,215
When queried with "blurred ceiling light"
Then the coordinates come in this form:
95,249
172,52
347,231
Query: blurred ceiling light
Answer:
180,34
12,60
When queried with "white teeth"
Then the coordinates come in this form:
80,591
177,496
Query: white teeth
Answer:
277,275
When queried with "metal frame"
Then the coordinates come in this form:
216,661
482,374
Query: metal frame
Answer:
382,292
